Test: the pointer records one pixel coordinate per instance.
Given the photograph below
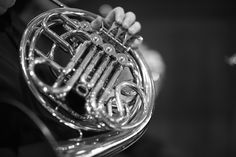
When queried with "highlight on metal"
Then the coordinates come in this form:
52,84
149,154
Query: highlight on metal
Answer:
90,80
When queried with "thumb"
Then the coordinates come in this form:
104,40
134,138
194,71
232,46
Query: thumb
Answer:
105,9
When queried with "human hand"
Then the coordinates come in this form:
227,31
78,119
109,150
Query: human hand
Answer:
152,57
126,20
5,4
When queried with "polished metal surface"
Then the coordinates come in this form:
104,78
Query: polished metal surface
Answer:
90,80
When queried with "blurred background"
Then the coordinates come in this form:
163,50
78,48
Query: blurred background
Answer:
195,111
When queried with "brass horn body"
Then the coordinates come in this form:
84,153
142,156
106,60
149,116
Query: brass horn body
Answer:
90,80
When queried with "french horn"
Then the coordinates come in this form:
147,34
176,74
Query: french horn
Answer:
90,80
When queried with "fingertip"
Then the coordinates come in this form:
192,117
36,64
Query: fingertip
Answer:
135,28
119,14
97,23
99,18
129,19
137,42
116,15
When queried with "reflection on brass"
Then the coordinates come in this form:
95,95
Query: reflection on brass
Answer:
63,57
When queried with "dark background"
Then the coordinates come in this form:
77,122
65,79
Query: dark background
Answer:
195,110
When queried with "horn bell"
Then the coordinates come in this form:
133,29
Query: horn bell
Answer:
90,80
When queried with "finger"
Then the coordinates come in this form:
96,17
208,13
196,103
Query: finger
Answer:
137,42
116,14
135,28
105,9
97,23
128,20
